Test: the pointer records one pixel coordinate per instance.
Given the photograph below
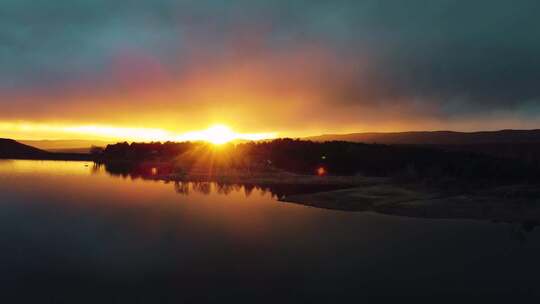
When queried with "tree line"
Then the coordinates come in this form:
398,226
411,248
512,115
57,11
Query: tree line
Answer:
335,157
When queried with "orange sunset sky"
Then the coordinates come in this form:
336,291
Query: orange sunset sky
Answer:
263,69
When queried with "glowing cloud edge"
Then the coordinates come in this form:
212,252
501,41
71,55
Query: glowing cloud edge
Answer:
217,134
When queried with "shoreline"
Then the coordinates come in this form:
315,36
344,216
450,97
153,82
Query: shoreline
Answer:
513,203
520,204
274,178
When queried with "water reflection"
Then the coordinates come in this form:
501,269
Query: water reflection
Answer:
56,167
277,191
521,231
148,172
69,227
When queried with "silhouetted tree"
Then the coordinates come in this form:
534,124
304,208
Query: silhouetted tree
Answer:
96,151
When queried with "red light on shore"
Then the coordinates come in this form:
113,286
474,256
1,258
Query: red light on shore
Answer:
321,171
154,171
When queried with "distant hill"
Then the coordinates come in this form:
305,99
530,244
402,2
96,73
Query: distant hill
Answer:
72,150
10,148
68,146
438,137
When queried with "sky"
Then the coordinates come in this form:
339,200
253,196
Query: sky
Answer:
157,69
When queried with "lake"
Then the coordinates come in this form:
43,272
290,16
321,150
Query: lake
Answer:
72,232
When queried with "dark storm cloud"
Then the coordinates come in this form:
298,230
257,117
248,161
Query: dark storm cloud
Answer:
457,57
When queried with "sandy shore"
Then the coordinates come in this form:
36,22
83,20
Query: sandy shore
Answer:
512,203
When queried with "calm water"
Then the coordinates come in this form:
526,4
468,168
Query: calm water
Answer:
70,232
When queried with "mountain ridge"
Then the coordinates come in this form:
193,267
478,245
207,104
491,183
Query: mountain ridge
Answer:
65,145
443,137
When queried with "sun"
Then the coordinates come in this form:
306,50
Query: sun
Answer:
219,134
